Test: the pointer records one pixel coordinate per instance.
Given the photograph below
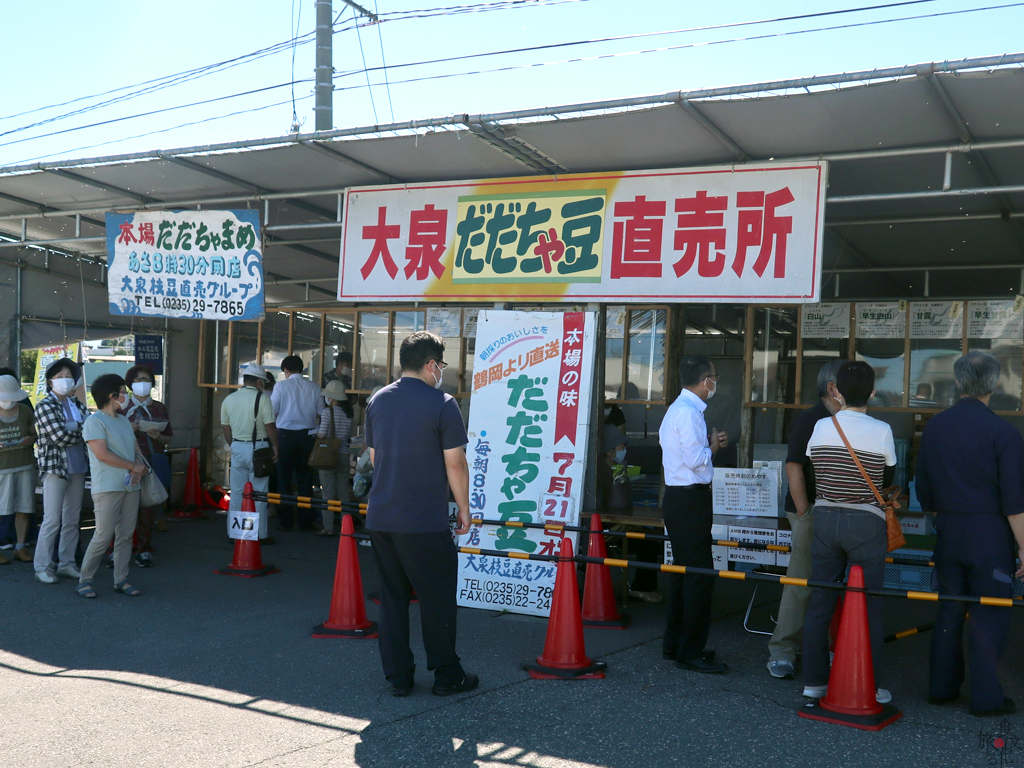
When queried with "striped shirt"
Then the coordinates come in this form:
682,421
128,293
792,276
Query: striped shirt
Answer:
838,481
342,426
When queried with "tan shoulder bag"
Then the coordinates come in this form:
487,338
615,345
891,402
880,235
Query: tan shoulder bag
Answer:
888,503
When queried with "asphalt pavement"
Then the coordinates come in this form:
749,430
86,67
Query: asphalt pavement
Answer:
206,670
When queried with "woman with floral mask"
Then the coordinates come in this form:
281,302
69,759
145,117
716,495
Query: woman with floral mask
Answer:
62,467
116,465
143,411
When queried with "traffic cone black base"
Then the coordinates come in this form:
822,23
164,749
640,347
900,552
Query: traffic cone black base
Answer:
594,671
248,573
887,716
323,632
620,623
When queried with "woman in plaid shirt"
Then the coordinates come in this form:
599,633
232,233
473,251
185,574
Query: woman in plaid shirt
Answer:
60,451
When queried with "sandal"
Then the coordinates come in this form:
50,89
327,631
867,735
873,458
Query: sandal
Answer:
127,589
85,590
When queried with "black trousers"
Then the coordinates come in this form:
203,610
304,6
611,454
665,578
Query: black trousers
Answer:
427,563
687,513
294,475
974,555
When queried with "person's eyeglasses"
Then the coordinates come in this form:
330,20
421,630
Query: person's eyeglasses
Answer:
441,363
713,376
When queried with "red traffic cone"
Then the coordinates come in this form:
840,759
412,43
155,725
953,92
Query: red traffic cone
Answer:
192,502
248,561
348,607
850,699
599,609
564,654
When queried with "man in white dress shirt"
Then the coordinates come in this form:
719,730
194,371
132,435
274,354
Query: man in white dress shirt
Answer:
297,403
687,452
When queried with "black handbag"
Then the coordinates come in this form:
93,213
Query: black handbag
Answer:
262,458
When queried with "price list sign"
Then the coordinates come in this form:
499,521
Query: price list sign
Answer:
741,492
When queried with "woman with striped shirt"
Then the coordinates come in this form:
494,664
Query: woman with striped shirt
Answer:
849,526
334,482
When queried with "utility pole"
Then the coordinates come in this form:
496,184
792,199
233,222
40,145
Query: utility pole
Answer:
324,109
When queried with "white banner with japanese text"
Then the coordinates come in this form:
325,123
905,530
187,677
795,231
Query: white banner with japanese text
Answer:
529,425
205,265
750,233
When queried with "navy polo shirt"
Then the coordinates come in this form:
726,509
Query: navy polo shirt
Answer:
970,461
799,436
410,425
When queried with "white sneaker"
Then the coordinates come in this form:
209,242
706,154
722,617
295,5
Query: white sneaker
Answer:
882,695
69,571
46,577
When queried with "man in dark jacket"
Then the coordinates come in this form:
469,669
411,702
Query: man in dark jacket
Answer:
969,472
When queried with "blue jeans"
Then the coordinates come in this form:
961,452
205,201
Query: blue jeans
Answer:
842,537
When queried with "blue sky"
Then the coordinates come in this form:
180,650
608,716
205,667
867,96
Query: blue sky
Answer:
66,50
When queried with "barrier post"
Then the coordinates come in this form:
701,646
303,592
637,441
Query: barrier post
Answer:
248,560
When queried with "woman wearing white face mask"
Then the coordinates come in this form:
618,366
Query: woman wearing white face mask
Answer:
116,466
143,411
62,466
17,464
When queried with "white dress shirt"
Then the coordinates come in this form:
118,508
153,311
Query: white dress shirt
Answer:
685,454
297,403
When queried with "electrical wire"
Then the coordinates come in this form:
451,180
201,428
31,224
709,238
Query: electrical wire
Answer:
639,35
380,37
369,88
662,49
295,34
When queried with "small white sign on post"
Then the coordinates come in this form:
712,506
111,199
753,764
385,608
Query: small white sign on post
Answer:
446,323
244,525
739,492
936,319
783,538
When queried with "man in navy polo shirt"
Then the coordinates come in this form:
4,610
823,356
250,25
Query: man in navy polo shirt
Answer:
417,445
969,472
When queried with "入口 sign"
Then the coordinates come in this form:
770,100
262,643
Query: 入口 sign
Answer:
707,234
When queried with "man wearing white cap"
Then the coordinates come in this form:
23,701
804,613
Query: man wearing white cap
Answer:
247,418
17,464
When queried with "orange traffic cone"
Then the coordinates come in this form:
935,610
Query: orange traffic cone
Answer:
191,507
850,699
348,607
248,561
564,654
599,609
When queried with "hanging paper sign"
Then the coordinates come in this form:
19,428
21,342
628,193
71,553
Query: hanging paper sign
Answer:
195,264
528,433
446,323
469,319
615,323
881,319
936,319
742,492
999,319
244,525
826,321
46,357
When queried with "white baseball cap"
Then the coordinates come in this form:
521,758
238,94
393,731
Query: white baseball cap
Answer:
254,370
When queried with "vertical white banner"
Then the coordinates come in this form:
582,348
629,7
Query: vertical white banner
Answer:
529,426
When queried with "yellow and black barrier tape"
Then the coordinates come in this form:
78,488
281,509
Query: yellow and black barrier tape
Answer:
909,632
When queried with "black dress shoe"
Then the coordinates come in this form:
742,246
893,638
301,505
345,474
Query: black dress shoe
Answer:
469,682
700,665
938,701
400,691
1008,708
708,655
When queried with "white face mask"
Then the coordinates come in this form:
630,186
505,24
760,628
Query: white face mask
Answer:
437,379
6,404
711,392
62,386
119,400
142,388
620,456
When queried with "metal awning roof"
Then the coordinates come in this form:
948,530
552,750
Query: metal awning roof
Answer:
895,137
